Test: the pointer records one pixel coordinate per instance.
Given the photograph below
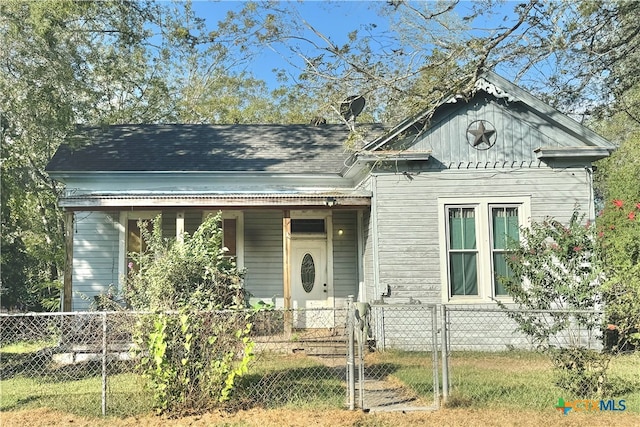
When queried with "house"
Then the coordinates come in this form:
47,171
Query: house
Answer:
418,213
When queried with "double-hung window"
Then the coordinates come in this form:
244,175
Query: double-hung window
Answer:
476,237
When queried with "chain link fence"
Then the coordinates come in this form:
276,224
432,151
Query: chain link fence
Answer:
379,357
87,362
490,362
397,350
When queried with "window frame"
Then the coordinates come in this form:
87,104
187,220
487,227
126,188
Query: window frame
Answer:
123,249
492,249
451,250
484,243
239,217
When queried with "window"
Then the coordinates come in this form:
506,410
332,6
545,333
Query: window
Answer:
475,243
135,242
229,230
232,233
308,225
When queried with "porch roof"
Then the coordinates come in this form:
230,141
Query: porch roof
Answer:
217,200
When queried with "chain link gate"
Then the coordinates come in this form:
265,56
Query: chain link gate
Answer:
392,361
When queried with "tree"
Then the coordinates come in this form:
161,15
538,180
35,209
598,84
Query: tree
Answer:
65,63
62,63
618,187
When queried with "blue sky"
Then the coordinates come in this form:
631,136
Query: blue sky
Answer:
332,18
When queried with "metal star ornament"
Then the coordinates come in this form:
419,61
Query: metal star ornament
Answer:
481,135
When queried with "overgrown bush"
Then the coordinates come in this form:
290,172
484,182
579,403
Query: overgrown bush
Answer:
556,285
197,341
619,235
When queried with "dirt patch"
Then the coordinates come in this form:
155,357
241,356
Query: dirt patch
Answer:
306,418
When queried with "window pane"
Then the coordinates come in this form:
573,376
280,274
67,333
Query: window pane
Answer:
464,274
134,238
229,230
505,226
513,225
135,242
462,228
308,273
307,226
500,269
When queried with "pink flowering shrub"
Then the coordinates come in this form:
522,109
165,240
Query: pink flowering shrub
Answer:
556,286
619,238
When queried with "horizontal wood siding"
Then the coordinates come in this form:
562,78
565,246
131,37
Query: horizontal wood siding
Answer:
483,328
368,259
263,253
192,220
518,133
480,327
407,216
95,256
368,264
169,224
345,253
407,327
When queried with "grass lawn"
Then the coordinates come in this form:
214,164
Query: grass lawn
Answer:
294,381
508,381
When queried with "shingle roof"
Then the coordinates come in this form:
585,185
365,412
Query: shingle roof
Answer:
199,148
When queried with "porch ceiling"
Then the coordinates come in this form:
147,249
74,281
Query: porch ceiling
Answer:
239,200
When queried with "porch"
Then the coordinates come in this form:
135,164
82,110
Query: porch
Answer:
299,252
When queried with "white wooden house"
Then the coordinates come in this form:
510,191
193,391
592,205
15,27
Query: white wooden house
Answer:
419,213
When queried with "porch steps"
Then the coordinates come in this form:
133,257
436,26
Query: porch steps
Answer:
323,348
82,353
313,342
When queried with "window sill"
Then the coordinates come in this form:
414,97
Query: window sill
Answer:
478,300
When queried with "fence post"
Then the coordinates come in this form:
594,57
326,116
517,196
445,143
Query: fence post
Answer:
104,363
363,310
351,379
434,352
445,362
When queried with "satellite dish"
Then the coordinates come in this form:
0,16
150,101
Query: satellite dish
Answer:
351,107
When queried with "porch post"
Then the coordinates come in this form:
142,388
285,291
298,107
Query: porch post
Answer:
286,265
67,289
180,226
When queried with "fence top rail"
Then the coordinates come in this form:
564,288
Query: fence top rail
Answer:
405,305
515,310
173,312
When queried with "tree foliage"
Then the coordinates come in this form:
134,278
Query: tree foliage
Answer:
194,272
64,63
118,61
619,233
555,267
556,290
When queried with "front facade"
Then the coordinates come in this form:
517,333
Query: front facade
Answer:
420,213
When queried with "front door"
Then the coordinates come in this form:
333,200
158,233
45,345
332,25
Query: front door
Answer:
310,291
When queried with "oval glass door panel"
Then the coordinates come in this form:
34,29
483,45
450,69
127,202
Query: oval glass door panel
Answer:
308,272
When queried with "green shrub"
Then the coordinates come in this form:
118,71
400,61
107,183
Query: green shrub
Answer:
197,341
556,285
